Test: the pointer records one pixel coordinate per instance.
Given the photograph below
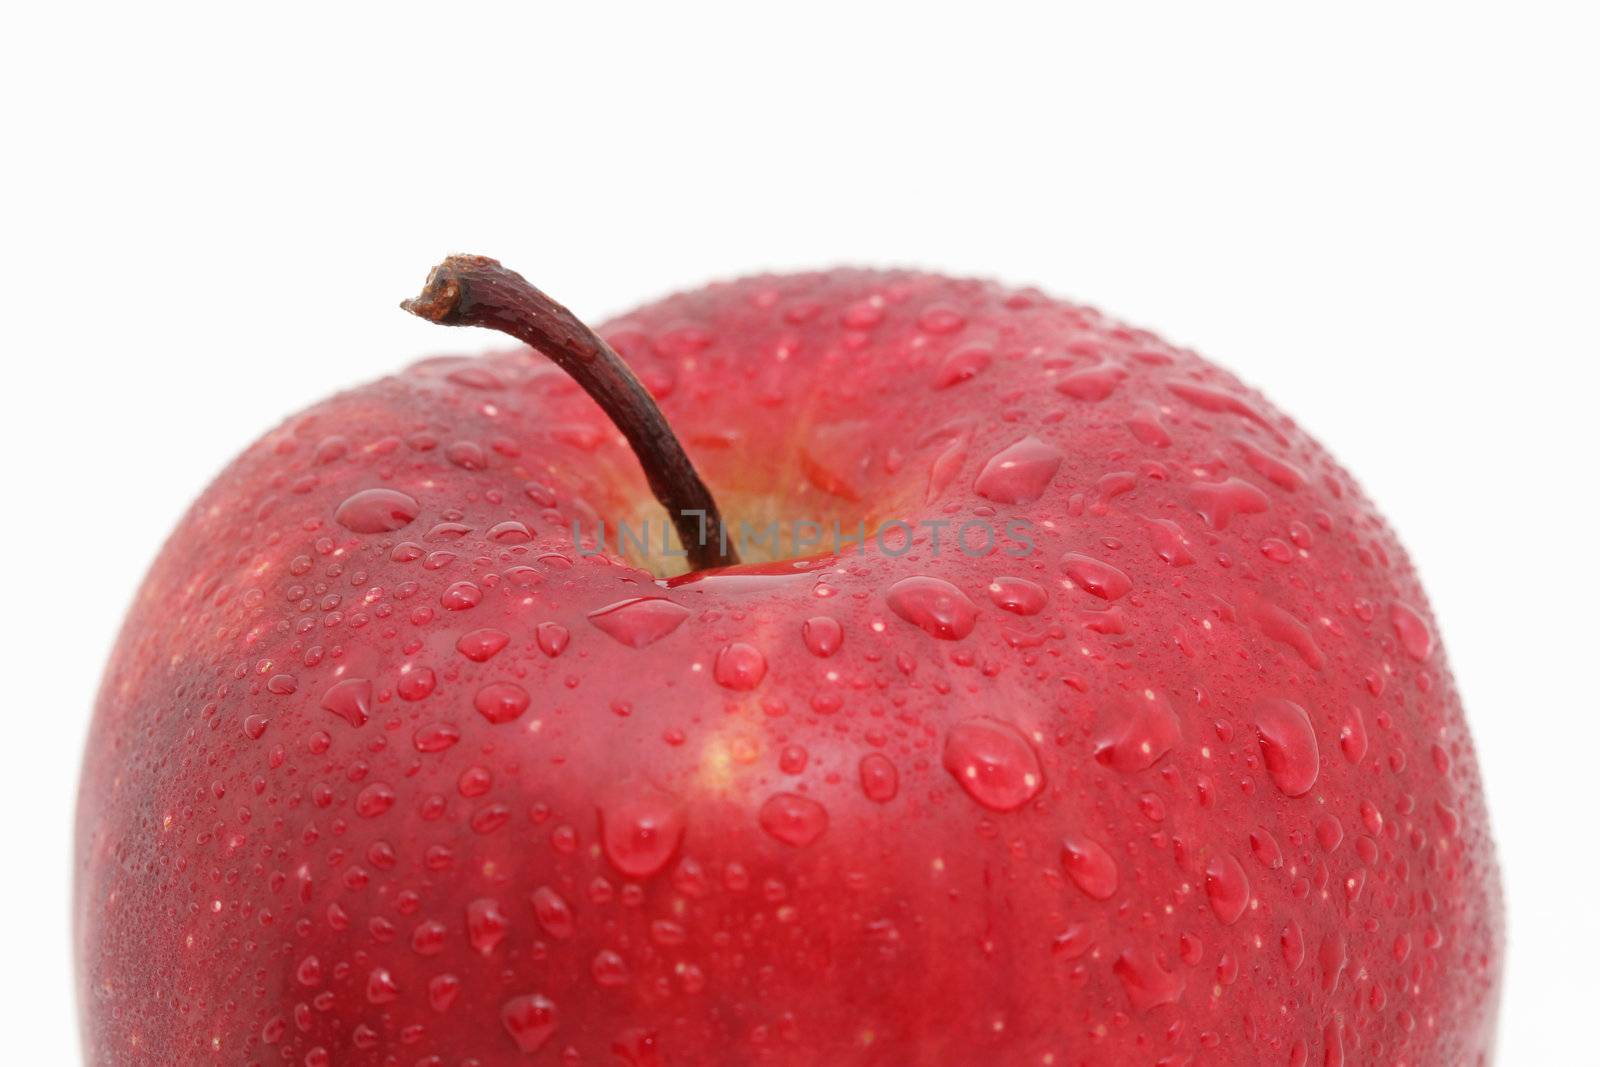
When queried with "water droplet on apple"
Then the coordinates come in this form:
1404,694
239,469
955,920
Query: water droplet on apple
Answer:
435,737
1139,731
1283,475
1415,637
1089,865
608,969
552,638
963,363
822,635
638,1047
1329,831
459,596
373,511
416,684
1353,736
381,987
1095,576
308,972
487,925
1216,401
1171,543
531,1021
374,800
481,645
468,455
1265,849
1072,942
934,605
1288,745
442,991
1227,888
640,828
639,621
553,912
510,532
1018,595
1092,383
994,763
880,781
1020,473
1276,550
739,666
1219,502
793,819
1332,958
350,699
501,702
1293,945
940,318
1283,627
1148,984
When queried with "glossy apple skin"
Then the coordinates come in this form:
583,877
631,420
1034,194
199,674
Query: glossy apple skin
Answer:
608,878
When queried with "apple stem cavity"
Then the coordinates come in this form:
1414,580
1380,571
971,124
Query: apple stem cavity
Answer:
478,291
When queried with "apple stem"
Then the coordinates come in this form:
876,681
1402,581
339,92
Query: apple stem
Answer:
478,291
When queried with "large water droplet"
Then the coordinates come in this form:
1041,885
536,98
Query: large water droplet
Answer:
934,605
415,684
994,763
1288,745
1219,502
552,638
350,699
640,828
374,511
739,666
530,1020
1089,865
501,702
1171,543
963,363
1353,735
822,635
1227,888
460,596
1148,984
1293,945
381,987
435,737
1265,849
1138,732
1018,595
639,621
793,819
374,800
486,925
481,645
880,781
1095,576
1216,401
1092,383
1283,475
1415,637
1019,474
609,969
1283,627
553,913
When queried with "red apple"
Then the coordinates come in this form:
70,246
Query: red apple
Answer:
1163,765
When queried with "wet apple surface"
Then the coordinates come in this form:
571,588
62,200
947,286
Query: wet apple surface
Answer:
1071,706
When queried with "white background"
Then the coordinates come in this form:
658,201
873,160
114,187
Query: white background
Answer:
1385,216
